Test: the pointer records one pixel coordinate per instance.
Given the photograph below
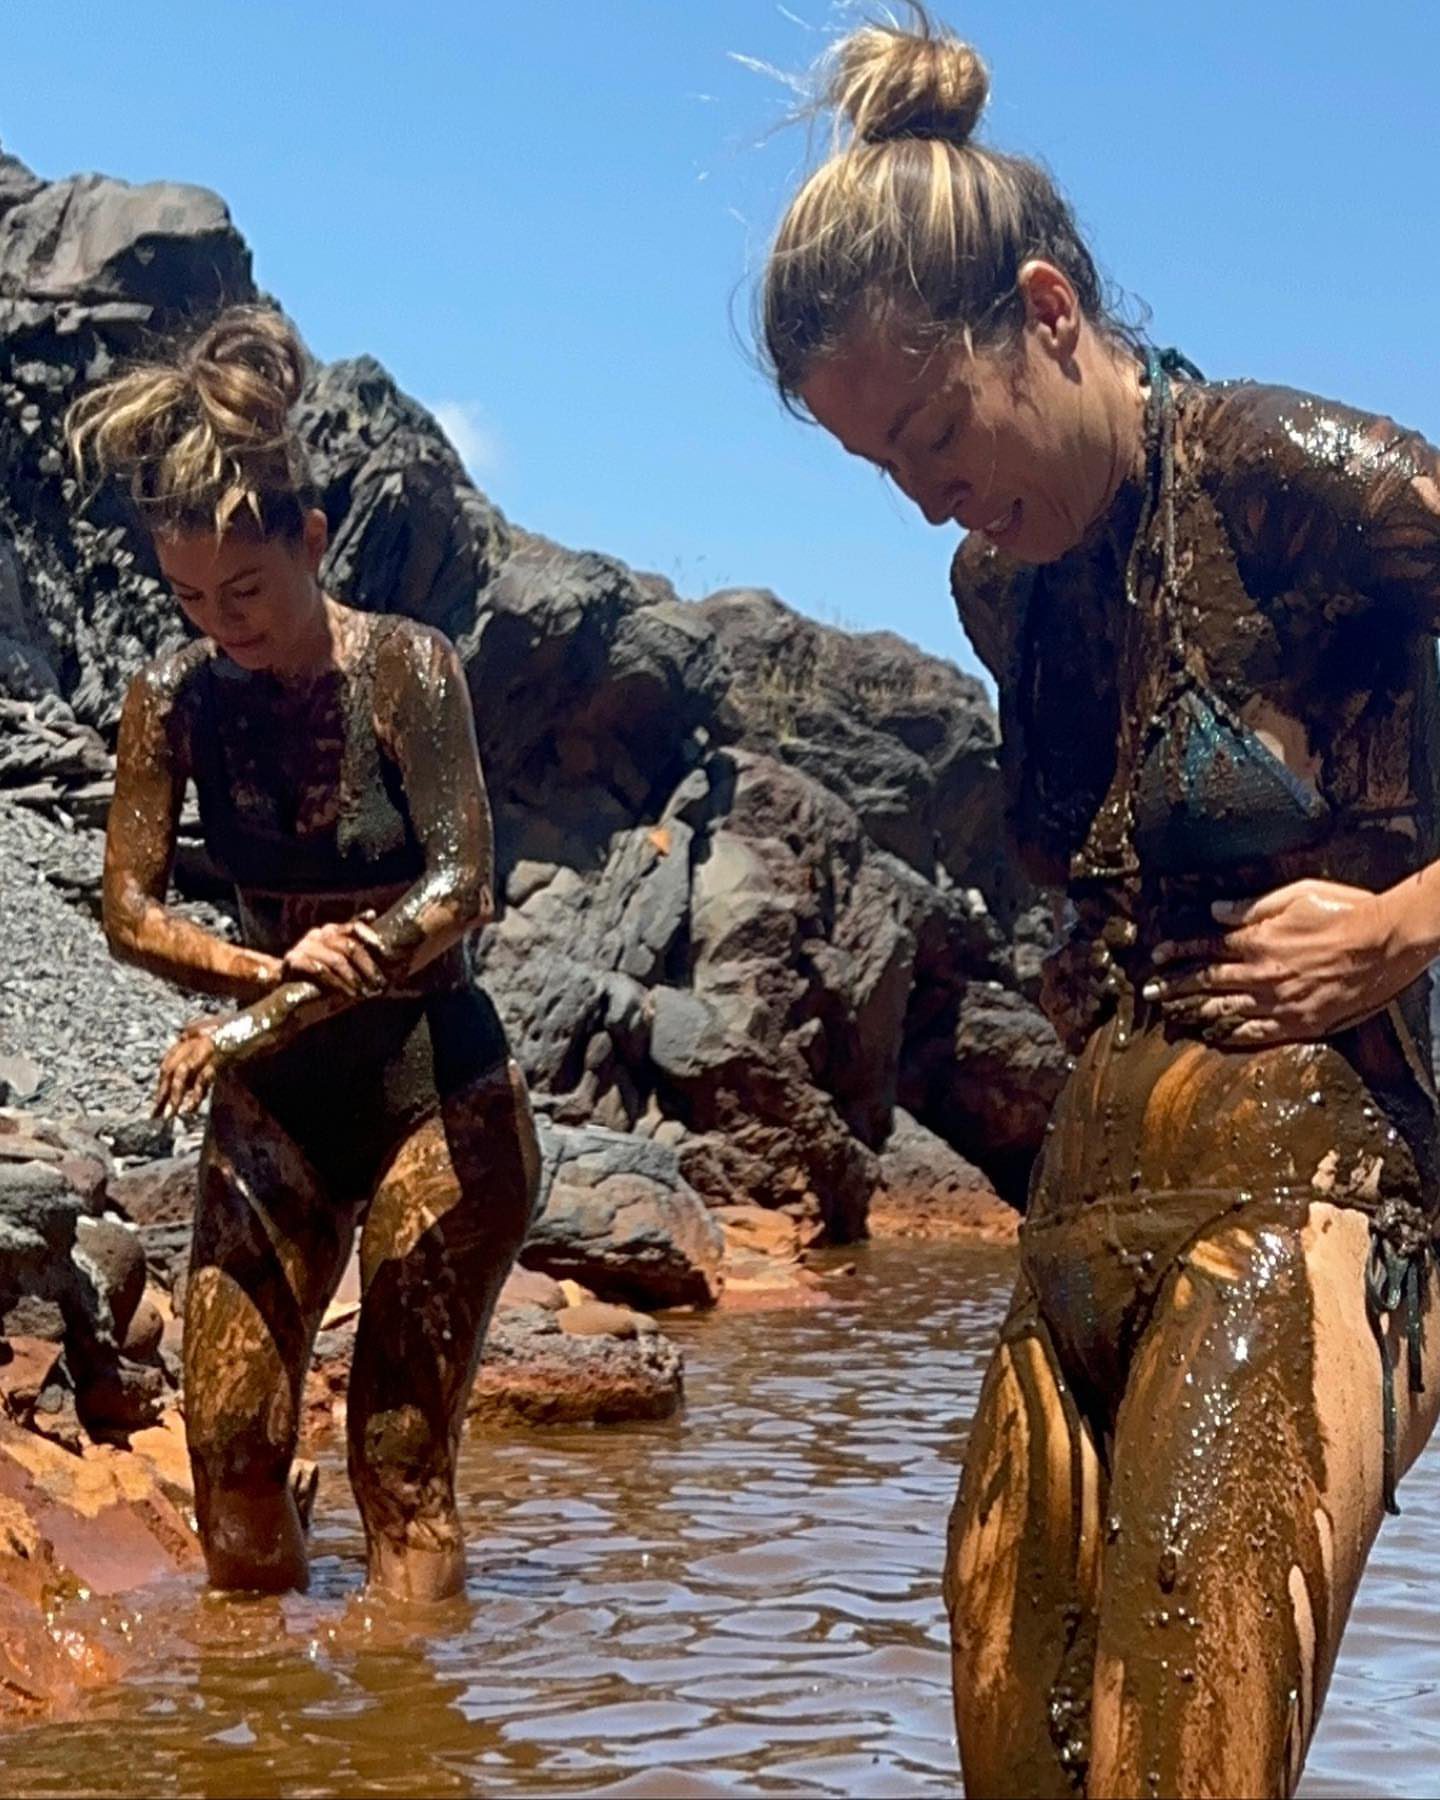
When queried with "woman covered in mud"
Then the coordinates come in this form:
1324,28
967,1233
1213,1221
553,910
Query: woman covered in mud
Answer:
1209,611
364,1080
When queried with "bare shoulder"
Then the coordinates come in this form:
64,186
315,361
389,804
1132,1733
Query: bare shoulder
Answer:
989,589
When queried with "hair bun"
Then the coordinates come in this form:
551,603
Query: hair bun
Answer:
925,83
249,370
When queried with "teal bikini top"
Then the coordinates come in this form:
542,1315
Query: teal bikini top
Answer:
1195,790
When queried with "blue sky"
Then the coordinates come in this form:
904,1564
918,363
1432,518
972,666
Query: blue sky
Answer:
545,217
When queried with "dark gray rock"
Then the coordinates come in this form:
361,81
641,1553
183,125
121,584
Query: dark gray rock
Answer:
619,1217
115,1257
754,880
534,1373
409,532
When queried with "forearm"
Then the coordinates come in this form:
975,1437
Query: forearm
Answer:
277,1020
152,937
432,916
1411,914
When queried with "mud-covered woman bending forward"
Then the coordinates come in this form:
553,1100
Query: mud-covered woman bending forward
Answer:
364,1080
1208,609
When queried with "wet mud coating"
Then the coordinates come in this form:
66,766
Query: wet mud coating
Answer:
1216,1361
354,791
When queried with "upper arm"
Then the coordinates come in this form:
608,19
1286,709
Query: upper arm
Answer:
426,720
1317,493
150,775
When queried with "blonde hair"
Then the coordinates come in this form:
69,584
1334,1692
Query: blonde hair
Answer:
909,221
203,438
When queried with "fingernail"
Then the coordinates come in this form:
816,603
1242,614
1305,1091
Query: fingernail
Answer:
1151,991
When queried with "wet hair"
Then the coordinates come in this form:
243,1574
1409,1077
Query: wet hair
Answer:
203,437
910,222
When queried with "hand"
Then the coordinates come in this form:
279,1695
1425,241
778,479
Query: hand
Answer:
1294,966
345,957
188,1072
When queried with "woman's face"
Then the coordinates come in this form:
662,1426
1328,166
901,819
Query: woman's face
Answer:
257,598
1021,445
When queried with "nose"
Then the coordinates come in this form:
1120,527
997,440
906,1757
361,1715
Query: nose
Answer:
936,503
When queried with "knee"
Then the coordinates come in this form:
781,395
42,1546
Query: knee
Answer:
237,1441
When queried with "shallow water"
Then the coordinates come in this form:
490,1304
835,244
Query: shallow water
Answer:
742,1602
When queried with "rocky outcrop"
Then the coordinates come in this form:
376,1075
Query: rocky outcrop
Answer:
72,1279
554,1355
619,1217
75,1533
931,1193
754,887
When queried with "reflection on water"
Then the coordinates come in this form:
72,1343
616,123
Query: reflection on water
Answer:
742,1602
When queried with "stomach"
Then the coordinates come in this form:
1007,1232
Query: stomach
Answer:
1149,1112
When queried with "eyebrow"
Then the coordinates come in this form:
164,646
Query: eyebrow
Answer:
240,575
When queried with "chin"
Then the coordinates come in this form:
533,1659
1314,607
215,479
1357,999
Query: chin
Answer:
255,658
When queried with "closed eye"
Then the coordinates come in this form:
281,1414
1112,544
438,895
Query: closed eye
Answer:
945,439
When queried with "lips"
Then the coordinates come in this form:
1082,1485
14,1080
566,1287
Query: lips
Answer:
1003,524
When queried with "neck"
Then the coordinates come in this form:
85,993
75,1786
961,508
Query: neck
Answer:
312,650
1119,429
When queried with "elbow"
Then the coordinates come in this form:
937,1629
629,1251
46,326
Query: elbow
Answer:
123,924
474,901
465,901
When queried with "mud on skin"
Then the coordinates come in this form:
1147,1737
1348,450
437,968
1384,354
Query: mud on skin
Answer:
354,791
1176,1470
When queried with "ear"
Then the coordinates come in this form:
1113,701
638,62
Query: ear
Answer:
316,538
1052,307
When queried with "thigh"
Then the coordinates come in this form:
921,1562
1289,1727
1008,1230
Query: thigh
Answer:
442,1232
1022,1573
268,1250
1247,1488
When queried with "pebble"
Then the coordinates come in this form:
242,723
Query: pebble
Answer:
62,996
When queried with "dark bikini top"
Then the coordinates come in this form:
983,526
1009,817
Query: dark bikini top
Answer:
1194,790
371,844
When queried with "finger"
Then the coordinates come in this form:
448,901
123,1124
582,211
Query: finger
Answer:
1232,1007
317,962
172,1081
1250,912
1250,1032
196,1088
365,966
161,1102
1214,978
1196,950
367,933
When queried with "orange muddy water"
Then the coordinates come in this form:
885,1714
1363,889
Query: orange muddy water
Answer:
745,1601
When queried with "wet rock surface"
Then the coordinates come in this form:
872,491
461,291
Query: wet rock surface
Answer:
930,1192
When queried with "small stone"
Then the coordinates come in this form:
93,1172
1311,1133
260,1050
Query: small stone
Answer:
20,1080
114,1250
31,1317
147,1328
593,1318
529,1287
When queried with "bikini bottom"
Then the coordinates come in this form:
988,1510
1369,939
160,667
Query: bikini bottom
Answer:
1097,1271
